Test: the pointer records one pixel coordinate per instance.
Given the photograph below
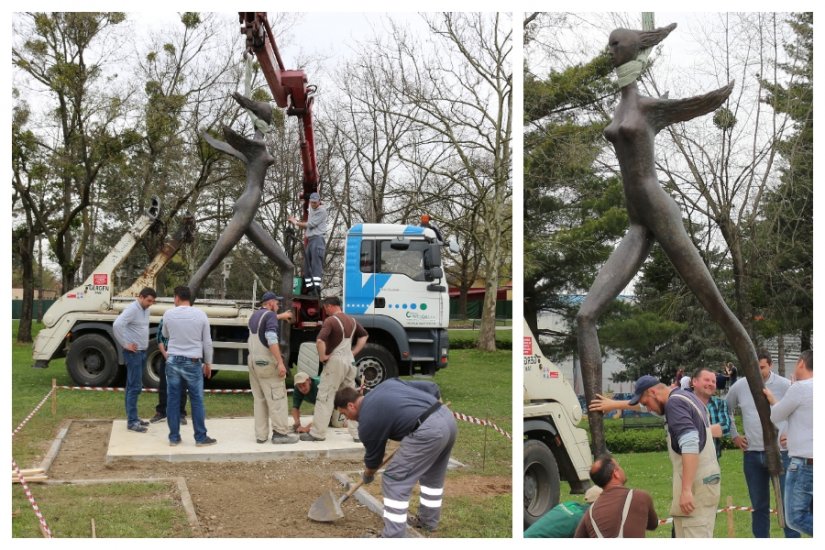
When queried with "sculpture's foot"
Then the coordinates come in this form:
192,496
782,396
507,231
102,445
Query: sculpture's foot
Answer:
260,109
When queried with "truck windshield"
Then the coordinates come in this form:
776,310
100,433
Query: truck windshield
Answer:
408,262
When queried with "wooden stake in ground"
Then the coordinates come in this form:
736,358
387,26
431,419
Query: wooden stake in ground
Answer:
54,396
94,532
729,510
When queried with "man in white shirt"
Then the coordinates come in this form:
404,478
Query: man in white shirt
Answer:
131,329
189,359
797,407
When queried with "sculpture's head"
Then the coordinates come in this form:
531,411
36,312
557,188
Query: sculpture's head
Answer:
626,44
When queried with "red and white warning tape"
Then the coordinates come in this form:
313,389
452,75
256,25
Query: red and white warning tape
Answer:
719,511
151,390
45,528
481,422
37,408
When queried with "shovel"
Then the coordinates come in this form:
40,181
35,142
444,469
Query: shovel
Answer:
328,507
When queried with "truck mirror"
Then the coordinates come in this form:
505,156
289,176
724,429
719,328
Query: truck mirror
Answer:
434,273
452,245
432,257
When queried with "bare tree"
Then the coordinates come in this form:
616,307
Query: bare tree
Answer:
457,89
720,168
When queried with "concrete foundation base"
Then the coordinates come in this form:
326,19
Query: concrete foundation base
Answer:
236,442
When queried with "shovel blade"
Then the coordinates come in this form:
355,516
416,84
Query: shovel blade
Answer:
326,509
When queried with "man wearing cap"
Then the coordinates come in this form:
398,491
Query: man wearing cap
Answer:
561,521
618,512
305,388
315,228
337,353
696,473
412,413
267,372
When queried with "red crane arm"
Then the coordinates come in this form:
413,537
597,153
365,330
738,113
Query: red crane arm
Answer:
289,89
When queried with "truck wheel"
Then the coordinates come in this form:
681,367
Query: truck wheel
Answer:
541,481
92,361
375,364
151,370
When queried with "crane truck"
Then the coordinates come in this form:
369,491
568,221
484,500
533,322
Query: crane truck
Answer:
555,448
392,284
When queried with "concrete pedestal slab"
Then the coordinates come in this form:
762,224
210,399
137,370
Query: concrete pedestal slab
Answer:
236,443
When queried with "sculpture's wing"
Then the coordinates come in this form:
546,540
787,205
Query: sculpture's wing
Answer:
253,150
260,109
224,147
665,112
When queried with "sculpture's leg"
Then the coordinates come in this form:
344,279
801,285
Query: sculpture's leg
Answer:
231,235
274,252
688,263
615,274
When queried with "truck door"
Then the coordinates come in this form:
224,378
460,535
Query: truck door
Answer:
361,281
405,296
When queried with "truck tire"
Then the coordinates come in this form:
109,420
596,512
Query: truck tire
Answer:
92,361
151,370
375,364
541,481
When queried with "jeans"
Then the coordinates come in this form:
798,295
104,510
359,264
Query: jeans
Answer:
759,489
162,393
135,360
183,372
799,498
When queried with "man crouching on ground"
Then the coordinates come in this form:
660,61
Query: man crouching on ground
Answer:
409,412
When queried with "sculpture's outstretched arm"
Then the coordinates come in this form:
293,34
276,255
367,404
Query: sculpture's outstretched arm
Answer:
664,112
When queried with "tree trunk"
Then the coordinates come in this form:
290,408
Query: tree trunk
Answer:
780,352
487,333
25,244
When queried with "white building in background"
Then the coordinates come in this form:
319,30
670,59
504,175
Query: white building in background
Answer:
569,365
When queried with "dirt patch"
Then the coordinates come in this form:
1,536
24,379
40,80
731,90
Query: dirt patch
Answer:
247,499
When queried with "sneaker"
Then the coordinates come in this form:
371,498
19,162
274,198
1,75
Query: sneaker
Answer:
309,437
137,428
143,422
415,523
157,418
283,438
207,441
261,440
183,421
174,443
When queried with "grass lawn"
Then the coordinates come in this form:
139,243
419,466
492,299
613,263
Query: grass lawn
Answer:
475,383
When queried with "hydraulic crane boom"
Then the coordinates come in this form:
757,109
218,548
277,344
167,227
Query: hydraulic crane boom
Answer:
289,89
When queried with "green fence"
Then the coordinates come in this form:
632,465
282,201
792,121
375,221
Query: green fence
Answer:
504,309
17,308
